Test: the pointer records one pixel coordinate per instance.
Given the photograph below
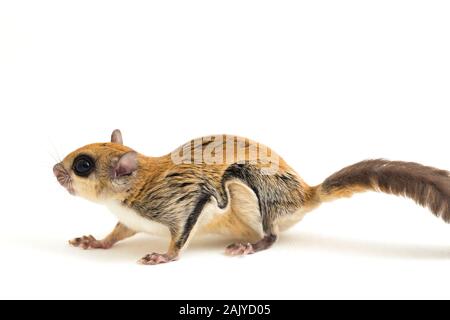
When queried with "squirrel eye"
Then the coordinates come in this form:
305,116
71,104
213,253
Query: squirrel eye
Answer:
83,165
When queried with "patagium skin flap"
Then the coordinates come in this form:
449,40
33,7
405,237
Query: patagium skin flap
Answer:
225,185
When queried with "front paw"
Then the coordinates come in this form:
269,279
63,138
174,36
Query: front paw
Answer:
86,242
156,258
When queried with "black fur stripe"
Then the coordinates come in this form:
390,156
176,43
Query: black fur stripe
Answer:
193,217
277,194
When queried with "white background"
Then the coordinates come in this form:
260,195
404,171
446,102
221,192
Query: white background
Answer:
324,83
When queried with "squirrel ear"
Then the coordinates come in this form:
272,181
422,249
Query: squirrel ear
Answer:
126,165
116,137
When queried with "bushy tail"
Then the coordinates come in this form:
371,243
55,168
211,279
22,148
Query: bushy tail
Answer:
429,187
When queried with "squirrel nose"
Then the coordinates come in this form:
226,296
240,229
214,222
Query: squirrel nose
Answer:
60,173
57,169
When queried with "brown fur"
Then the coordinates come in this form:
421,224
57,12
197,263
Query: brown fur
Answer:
429,187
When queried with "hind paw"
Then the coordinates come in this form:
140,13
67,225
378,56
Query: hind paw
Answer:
239,249
156,258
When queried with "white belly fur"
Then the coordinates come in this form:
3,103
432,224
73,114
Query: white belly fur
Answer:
136,222
242,200
242,197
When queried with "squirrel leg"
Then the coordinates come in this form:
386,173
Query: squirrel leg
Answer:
119,233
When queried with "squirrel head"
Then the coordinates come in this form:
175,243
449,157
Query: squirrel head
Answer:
99,171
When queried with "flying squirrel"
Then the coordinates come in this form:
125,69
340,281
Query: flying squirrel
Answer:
226,185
